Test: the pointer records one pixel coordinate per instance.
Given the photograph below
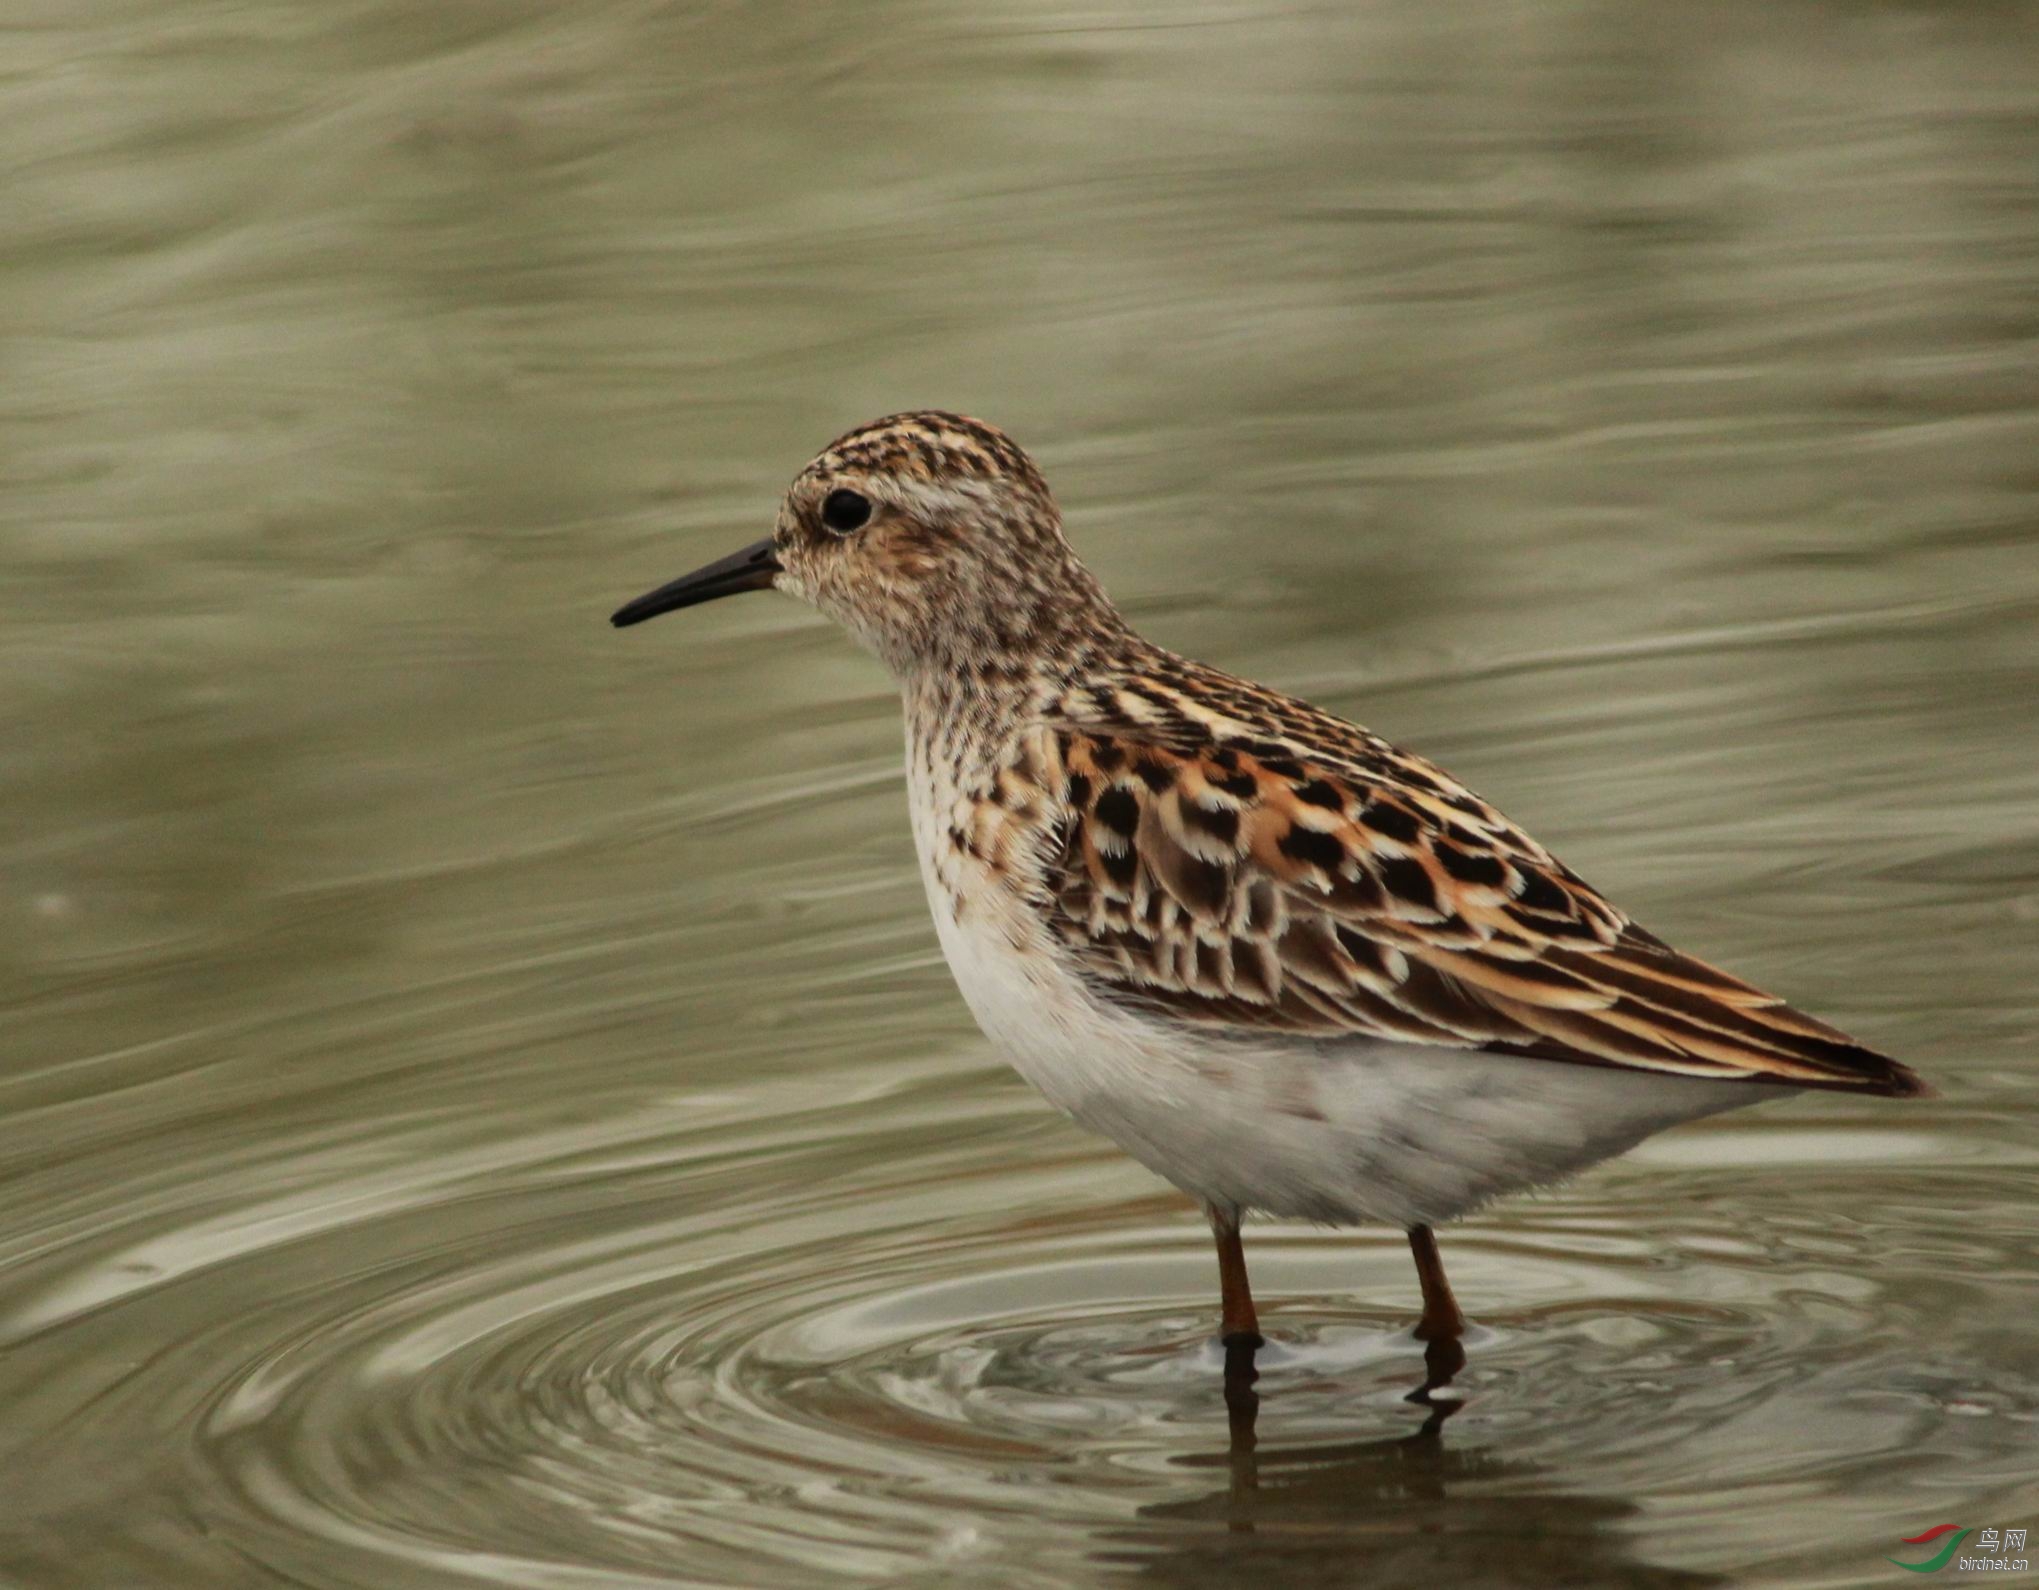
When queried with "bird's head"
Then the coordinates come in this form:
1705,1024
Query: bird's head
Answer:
930,537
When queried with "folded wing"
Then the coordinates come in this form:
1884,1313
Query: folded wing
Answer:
1318,887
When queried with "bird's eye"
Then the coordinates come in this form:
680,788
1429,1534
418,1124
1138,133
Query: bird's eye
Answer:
844,511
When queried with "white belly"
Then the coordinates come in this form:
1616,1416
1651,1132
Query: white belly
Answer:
1400,1134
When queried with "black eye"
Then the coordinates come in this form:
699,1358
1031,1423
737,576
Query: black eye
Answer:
844,511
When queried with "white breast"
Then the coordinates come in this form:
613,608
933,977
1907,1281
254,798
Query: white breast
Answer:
998,951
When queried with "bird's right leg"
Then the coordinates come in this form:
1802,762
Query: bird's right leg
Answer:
1241,1326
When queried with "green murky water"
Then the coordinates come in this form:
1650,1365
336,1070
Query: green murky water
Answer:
480,1102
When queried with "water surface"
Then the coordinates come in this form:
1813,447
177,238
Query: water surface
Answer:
482,1103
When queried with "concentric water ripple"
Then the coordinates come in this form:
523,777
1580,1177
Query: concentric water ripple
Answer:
689,1354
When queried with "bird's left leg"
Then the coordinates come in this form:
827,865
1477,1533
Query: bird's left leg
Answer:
1442,1321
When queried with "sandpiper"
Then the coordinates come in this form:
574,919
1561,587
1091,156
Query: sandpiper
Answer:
1285,965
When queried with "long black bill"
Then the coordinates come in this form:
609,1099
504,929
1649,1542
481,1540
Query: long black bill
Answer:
749,570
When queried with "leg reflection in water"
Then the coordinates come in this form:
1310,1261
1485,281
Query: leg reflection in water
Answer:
1404,1508
1442,1361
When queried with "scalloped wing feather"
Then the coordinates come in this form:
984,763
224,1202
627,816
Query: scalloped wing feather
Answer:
1238,859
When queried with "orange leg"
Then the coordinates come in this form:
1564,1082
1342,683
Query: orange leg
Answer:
1241,1325
1442,1321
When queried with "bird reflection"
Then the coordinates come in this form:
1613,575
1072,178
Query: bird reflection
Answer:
1405,1507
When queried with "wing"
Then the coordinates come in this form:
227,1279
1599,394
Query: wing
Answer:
1304,876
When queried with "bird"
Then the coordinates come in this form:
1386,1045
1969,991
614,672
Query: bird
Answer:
1292,969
